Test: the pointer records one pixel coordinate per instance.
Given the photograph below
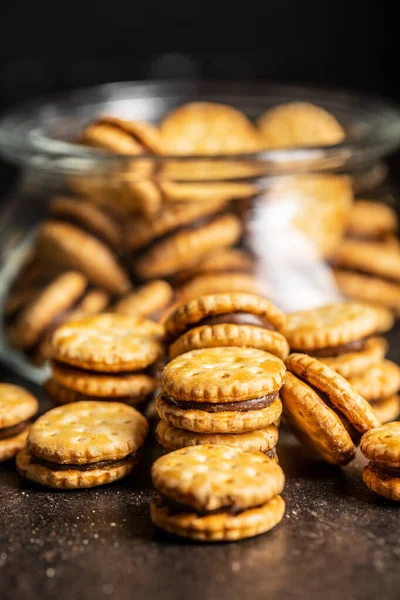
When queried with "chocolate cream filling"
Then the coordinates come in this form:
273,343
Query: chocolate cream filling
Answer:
102,464
215,407
8,432
354,346
391,471
178,507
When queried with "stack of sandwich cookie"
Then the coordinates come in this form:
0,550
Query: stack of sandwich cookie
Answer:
380,385
216,493
382,447
31,323
339,335
84,444
17,407
105,357
226,393
323,410
232,319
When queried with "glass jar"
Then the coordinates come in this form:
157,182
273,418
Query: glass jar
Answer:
265,221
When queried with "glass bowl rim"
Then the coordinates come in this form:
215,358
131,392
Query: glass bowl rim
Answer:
18,144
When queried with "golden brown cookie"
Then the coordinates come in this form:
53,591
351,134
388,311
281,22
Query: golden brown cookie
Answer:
149,300
140,231
231,420
315,423
384,317
94,301
208,128
122,136
48,305
103,384
340,394
382,445
88,216
299,124
184,248
218,527
215,283
371,220
83,445
79,250
380,381
350,364
260,440
209,190
17,407
107,343
388,409
223,375
382,483
370,258
213,477
60,394
367,288
329,326
228,334
227,260
234,308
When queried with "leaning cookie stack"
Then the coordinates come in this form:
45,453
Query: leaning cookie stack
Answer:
105,357
343,336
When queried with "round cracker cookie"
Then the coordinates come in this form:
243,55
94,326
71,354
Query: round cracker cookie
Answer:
340,393
103,384
299,124
107,343
9,447
387,410
382,445
226,374
213,477
16,405
208,128
122,136
213,305
329,326
227,260
219,527
183,249
79,250
370,219
380,381
369,289
55,299
146,300
227,334
260,440
94,301
87,432
87,215
213,283
315,423
372,258
72,478
350,364
382,483
384,317
59,394
201,421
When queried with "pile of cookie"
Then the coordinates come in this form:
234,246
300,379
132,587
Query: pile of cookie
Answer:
108,357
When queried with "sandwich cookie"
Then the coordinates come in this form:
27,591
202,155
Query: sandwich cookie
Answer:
216,493
151,300
235,319
84,444
221,390
261,440
371,221
379,385
17,407
338,334
323,410
369,271
382,447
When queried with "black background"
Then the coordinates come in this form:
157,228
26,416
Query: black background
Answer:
48,46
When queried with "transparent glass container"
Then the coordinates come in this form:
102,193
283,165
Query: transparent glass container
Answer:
283,211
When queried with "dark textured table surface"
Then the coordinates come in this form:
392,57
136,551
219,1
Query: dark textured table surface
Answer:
336,541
